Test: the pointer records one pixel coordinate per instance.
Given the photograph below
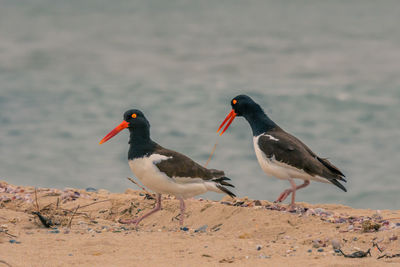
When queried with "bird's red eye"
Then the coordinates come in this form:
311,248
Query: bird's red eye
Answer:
134,115
234,101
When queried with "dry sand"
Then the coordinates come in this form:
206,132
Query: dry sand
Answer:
238,232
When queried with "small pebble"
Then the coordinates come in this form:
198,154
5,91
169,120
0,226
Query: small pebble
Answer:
355,239
201,229
309,251
337,250
91,189
258,247
335,244
262,256
320,250
70,254
184,229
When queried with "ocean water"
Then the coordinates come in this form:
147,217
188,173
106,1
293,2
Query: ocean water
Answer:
326,71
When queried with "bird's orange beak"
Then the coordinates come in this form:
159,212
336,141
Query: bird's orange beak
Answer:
231,116
124,124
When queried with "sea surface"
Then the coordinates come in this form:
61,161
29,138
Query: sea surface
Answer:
326,71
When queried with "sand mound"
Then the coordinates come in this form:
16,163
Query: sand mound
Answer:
84,230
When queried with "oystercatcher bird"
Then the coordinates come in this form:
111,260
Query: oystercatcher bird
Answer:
165,171
279,153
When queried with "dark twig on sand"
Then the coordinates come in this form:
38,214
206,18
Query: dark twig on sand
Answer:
4,262
211,154
389,256
36,201
357,254
96,202
133,181
374,244
70,221
45,221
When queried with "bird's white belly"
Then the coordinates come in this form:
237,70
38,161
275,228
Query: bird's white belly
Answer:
151,177
279,169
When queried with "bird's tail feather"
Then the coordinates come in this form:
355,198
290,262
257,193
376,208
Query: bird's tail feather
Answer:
336,182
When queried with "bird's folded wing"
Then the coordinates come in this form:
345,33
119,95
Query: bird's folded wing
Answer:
290,150
180,166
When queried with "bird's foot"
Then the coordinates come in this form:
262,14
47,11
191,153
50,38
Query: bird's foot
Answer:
284,195
292,208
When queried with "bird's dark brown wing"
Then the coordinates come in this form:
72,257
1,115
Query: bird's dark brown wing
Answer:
290,150
179,165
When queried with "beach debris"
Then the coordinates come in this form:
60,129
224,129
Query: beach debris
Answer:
206,255
229,260
245,236
6,263
257,203
72,217
259,247
45,221
211,154
216,227
263,256
389,256
184,229
13,241
370,226
309,251
91,189
335,244
375,244
320,250
201,229
357,254
364,224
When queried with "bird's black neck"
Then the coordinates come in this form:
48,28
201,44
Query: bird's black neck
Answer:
140,142
259,121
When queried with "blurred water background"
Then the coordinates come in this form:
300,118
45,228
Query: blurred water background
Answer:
326,71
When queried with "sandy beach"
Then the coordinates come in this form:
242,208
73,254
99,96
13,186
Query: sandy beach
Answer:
84,231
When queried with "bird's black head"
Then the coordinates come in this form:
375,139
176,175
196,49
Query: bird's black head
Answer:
243,105
135,121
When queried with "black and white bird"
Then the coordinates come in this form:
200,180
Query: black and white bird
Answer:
165,171
279,153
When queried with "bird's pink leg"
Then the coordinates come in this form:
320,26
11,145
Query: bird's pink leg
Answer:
294,187
287,192
138,220
183,207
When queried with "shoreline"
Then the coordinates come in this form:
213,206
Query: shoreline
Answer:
85,231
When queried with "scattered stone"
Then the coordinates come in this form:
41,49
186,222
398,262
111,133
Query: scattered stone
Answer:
201,229
91,189
258,247
309,251
335,244
370,226
263,256
320,250
184,229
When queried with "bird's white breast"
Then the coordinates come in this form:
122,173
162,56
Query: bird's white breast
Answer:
152,178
